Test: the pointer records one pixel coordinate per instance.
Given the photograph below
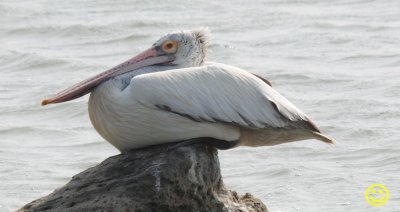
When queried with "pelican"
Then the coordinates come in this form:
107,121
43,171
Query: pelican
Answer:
168,93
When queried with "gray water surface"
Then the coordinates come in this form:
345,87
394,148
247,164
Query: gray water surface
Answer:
337,60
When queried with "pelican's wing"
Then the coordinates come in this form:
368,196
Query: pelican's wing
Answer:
218,93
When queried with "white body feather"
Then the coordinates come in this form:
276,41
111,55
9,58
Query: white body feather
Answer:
216,101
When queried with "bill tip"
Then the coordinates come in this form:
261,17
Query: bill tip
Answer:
45,102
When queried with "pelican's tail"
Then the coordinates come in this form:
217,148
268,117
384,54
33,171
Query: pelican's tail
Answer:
324,138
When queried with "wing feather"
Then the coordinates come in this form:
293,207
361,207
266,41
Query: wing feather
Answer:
218,93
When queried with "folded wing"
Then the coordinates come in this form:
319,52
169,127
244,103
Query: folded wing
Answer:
218,93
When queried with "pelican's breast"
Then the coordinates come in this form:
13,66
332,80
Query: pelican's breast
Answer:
128,124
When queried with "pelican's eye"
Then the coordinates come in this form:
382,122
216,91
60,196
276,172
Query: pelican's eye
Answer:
169,46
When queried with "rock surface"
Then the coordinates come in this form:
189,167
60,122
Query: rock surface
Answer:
153,179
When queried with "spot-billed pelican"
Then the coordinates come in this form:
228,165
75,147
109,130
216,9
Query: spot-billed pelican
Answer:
168,93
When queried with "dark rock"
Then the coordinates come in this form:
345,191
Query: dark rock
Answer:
152,179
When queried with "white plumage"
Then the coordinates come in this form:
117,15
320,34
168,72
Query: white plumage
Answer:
217,100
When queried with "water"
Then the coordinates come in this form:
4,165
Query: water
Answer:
336,60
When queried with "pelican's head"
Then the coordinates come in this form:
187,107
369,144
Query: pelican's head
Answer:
189,48
180,49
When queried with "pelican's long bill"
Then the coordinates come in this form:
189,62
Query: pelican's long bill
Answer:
149,57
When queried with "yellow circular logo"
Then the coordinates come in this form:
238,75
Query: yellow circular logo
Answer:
377,195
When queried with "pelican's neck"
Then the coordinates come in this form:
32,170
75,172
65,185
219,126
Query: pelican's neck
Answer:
120,82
